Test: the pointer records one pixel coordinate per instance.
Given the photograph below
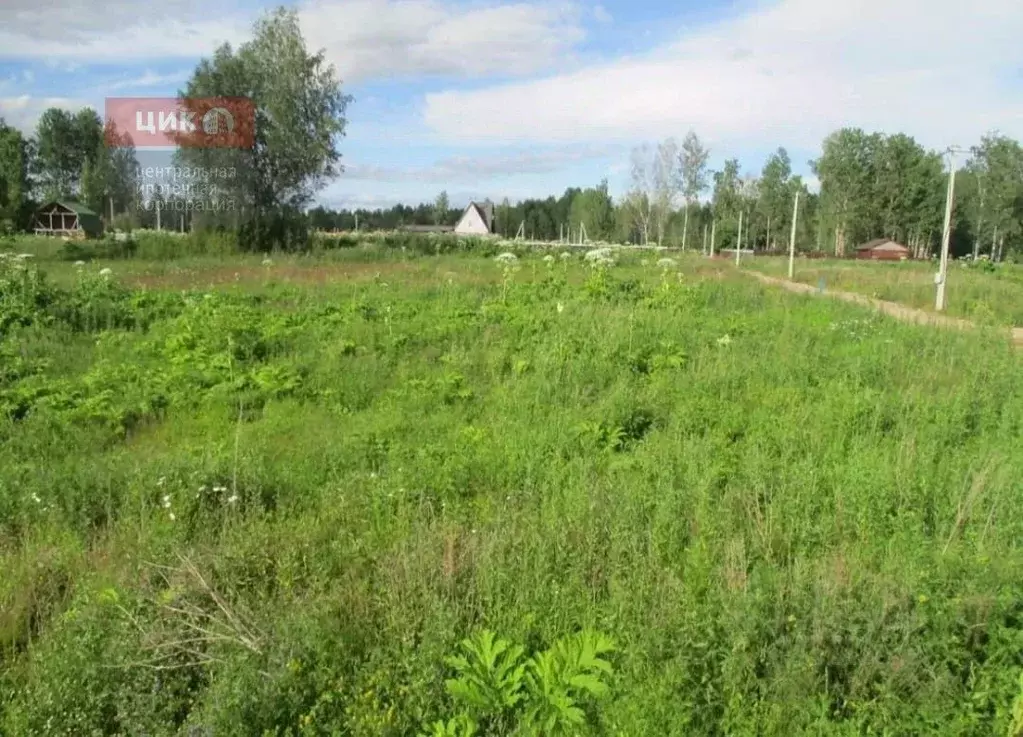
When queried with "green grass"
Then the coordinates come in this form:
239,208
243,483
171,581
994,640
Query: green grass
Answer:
990,298
276,504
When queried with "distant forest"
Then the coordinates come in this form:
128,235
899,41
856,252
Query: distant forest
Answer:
871,185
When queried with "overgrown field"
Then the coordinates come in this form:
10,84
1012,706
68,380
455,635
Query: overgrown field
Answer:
275,504
990,294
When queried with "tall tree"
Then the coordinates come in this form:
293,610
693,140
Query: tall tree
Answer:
594,210
299,111
776,193
639,201
693,170
503,219
666,183
654,186
727,201
65,142
440,208
1000,158
15,186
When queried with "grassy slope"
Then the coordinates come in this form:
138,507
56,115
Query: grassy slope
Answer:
988,298
806,527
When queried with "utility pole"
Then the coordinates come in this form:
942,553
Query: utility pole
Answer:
946,236
713,227
792,239
738,241
704,251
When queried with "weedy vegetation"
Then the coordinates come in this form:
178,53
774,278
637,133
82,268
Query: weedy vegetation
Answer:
371,491
982,291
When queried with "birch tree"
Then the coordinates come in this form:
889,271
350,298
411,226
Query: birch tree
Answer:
665,183
693,170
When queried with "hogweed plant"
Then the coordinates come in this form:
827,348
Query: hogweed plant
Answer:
500,691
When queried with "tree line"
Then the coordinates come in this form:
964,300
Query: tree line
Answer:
871,184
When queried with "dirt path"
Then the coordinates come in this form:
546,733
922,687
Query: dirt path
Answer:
899,312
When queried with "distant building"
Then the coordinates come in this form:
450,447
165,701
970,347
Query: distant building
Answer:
883,249
67,219
478,219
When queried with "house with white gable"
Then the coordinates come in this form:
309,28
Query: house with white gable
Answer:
478,219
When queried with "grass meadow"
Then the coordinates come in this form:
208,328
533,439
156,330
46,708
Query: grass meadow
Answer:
254,496
985,293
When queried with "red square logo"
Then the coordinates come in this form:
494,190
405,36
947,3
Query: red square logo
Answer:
196,122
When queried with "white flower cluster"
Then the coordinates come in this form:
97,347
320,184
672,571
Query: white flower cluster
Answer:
667,263
165,502
506,258
855,329
600,257
16,260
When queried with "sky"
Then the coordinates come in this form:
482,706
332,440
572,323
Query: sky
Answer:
516,99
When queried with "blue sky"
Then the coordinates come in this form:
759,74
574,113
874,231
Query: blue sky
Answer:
512,98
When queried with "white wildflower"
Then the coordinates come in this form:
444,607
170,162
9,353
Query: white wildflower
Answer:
232,499
36,499
561,308
725,340
548,259
202,489
79,264
219,489
105,272
166,501
23,256
160,481
566,256
644,262
267,262
171,516
506,258
667,263
598,254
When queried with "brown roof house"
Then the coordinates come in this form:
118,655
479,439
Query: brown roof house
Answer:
882,249
478,219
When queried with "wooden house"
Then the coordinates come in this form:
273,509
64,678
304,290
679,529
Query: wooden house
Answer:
67,219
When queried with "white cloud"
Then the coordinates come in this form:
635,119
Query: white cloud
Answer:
147,79
105,31
601,14
363,38
374,38
23,112
461,169
785,74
